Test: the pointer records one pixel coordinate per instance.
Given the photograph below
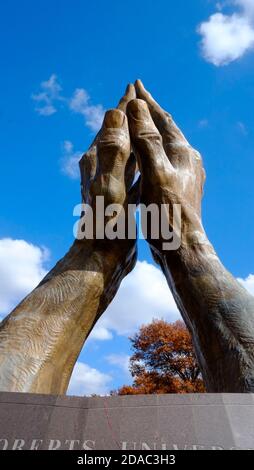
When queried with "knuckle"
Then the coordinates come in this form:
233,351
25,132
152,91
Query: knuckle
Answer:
148,137
115,142
110,188
150,134
87,165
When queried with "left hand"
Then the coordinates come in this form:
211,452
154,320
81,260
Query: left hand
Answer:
108,169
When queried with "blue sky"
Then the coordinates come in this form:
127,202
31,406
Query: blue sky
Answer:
64,63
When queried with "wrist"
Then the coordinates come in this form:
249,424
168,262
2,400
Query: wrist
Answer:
101,264
195,258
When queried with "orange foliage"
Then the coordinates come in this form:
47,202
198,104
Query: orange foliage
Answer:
163,361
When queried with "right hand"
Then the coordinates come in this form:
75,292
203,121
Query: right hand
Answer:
171,170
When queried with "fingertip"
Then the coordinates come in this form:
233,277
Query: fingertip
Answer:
114,118
130,94
142,93
138,83
130,89
137,109
140,89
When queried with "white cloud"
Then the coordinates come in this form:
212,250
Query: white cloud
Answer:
21,269
86,380
79,100
120,360
93,114
49,95
247,5
70,160
226,38
52,87
46,110
100,333
48,100
143,295
219,6
248,283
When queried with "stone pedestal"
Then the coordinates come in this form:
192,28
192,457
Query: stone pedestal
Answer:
156,422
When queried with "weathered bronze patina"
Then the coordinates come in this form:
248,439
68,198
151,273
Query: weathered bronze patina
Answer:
41,339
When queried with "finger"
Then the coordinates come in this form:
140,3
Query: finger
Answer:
162,119
176,146
113,144
87,167
88,164
131,167
130,94
113,150
146,140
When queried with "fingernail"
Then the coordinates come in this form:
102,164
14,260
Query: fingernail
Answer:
114,118
138,109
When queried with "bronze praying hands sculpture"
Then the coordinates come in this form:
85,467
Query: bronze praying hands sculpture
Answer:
42,337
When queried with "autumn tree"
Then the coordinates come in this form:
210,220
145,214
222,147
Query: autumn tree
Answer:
163,361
